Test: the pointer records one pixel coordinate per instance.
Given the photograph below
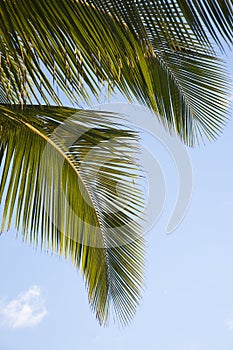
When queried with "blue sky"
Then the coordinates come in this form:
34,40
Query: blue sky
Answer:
188,299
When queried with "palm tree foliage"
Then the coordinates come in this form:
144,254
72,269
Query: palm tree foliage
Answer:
60,183
157,51
59,189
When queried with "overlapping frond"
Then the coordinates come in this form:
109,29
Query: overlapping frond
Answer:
70,182
75,42
138,47
178,23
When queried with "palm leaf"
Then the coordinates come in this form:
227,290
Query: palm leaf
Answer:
194,108
141,50
61,169
179,23
213,17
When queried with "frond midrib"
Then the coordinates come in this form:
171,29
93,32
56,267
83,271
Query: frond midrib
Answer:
53,144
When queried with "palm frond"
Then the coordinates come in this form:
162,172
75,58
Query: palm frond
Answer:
67,185
3,98
178,23
189,103
212,18
137,47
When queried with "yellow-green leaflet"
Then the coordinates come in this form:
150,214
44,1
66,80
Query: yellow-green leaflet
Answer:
61,168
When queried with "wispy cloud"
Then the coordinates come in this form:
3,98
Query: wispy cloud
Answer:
229,324
27,310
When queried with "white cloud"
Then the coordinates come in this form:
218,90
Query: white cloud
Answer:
229,324
27,310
